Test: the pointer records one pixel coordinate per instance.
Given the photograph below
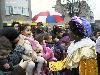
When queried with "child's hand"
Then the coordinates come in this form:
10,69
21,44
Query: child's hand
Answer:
6,66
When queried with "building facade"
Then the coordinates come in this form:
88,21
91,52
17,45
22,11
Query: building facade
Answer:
15,10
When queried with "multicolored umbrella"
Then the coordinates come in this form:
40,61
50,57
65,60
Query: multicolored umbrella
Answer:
45,17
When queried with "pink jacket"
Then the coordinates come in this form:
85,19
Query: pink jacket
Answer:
48,54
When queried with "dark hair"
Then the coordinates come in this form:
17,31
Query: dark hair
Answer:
46,36
39,38
22,27
56,30
78,30
40,24
5,43
13,24
10,33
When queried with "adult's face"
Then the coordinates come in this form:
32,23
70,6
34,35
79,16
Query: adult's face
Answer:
98,34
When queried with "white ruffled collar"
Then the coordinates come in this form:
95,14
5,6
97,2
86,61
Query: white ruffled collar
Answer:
82,43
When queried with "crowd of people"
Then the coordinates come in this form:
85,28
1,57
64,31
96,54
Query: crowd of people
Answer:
26,50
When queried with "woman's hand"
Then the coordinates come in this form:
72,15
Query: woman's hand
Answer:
6,66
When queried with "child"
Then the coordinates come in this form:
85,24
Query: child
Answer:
61,48
34,47
48,40
47,52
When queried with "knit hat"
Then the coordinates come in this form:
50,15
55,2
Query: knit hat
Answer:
10,33
80,26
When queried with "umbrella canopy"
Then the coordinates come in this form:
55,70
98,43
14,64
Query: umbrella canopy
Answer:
58,18
45,17
50,19
40,14
41,19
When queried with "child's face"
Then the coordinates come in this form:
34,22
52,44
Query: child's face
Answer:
27,32
49,39
60,34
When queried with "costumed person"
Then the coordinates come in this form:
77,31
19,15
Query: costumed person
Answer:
98,51
81,58
32,50
10,58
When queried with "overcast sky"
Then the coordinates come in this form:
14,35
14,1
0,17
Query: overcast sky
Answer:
97,10
44,5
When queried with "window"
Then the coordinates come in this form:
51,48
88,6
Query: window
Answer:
19,10
14,10
25,11
9,10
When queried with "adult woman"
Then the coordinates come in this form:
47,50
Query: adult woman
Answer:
81,56
6,66
17,41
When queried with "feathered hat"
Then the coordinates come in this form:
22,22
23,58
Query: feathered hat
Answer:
80,26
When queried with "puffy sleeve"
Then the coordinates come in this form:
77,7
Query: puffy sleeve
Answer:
86,52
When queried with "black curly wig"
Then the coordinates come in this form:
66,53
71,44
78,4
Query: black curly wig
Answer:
76,28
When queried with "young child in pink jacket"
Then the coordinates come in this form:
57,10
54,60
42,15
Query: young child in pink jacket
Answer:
35,47
47,52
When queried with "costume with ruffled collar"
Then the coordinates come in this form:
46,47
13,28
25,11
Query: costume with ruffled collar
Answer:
82,54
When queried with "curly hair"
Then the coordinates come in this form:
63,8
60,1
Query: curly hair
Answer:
80,27
5,43
77,28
